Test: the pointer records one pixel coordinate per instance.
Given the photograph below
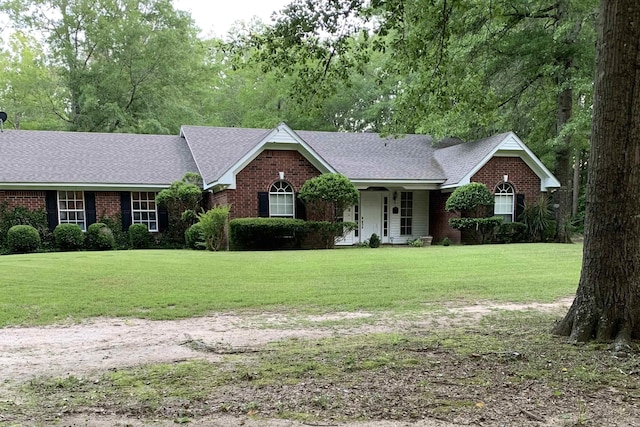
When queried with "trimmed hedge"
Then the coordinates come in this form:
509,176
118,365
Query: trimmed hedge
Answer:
99,237
266,233
284,233
140,237
68,237
23,239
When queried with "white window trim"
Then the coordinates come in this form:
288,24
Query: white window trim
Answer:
504,191
409,200
82,224
280,187
142,211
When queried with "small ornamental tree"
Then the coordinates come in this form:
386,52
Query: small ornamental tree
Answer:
181,200
472,201
328,195
214,226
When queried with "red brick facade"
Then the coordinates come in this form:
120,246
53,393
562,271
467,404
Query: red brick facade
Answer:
259,175
523,179
31,200
520,176
107,204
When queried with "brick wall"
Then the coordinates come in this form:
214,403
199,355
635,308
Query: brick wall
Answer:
107,204
523,179
439,218
259,175
31,200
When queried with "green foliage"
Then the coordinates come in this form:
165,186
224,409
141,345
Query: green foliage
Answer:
446,241
510,232
214,224
323,234
181,200
194,237
374,241
140,237
415,243
538,219
99,237
266,233
23,239
328,195
68,237
120,236
479,229
23,216
472,198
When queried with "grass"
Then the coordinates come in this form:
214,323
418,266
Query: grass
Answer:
57,287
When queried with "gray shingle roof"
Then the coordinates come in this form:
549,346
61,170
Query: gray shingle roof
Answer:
92,158
368,156
460,159
217,149
112,159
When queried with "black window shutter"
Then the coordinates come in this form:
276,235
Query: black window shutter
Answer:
163,218
519,206
263,204
52,208
301,209
90,207
125,209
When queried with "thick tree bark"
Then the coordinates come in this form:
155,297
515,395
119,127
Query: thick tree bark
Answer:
607,303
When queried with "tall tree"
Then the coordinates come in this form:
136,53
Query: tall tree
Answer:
125,65
607,303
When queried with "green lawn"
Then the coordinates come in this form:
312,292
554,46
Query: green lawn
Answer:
163,284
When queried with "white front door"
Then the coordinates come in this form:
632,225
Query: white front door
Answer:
370,214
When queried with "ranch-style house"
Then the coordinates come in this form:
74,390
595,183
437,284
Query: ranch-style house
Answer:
403,182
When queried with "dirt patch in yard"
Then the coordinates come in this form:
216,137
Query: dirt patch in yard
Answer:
386,397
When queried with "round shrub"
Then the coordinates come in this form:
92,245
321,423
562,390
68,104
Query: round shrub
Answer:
68,237
374,241
194,237
99,237
23,239
140,237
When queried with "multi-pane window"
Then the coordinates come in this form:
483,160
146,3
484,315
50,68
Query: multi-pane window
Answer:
71,208
406,213
281,199
504,198
143,209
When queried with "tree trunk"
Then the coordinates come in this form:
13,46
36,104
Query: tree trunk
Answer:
607,303
575,193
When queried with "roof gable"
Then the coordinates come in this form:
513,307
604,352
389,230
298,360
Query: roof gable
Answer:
223,152
462,161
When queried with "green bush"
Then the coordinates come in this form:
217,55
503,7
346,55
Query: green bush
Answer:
194,237
120,236
23,239
99,237
471,199
446,241
68,237
140,237
214,223
538,219
323,234
481,228
374,241
266,233
23,216
510,232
